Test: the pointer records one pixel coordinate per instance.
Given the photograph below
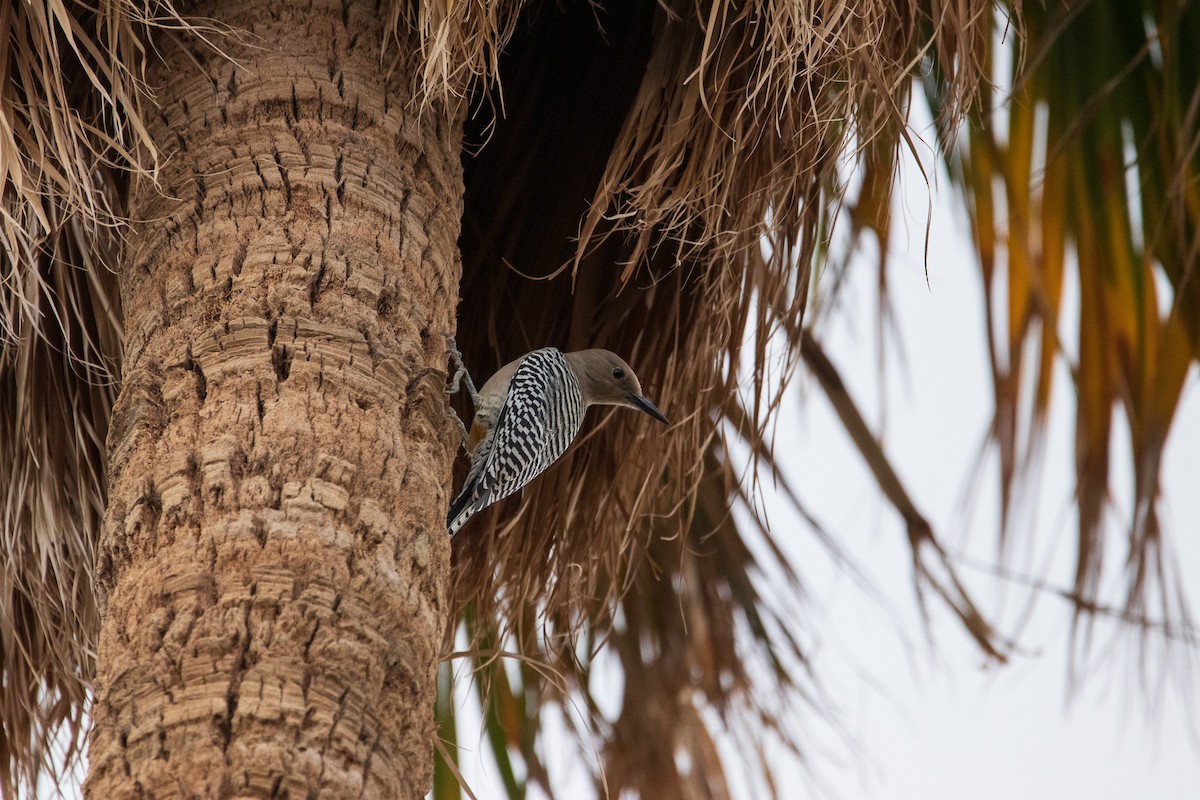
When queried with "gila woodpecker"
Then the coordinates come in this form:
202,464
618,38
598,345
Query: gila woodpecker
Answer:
528,413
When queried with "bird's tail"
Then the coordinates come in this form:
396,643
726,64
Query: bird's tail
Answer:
461,510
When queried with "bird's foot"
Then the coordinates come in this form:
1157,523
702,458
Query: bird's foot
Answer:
453,384
460,376
462,429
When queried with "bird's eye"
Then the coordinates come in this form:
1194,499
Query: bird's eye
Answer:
618,373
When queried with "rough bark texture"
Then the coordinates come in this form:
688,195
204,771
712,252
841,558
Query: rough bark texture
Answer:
274,553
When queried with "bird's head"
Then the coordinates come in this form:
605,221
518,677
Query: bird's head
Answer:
607,380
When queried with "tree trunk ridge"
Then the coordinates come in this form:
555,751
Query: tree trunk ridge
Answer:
274,556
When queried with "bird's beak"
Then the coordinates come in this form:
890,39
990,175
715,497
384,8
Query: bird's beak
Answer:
645,405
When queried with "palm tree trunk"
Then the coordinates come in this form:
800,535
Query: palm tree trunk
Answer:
273,557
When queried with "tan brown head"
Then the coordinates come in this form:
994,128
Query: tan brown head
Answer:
607,380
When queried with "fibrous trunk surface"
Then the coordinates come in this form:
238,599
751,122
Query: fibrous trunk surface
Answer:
274,557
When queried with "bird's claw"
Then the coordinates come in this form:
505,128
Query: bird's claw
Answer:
453,384
462,429
460,375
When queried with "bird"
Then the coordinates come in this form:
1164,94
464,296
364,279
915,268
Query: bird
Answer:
529,412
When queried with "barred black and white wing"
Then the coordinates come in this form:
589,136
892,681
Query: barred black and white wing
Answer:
541,415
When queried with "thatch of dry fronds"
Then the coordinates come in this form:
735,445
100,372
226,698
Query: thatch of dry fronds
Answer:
689,154
636,157
70,115
658,181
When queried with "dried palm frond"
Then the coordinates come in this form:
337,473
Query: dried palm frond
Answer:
661,187
1096,153
703,646
70,120
669,282
55,393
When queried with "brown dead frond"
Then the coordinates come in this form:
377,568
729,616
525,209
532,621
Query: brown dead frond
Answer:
932,567
460,42
55,397
70,121
705,645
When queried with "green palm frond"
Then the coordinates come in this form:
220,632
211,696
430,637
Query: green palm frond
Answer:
1094,154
